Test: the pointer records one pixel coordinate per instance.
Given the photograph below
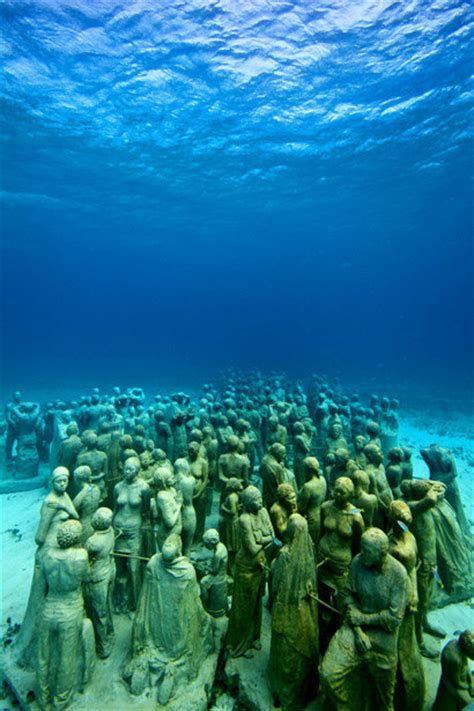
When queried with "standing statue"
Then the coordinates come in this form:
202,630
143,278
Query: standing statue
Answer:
70,447
166,507
282,509
99,588
410,689
378,483
186,486
294,640
215,583
368,639
362,500
94,458
301,448
311,497
63,631
26,422
229,519
87,501
272,472
442,468
200,471
172,634
57,508
131,512
256,534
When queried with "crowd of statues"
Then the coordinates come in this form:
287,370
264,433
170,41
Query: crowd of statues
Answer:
315,514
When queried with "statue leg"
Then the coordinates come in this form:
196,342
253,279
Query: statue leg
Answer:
339,663
101,617
134,582
46,632
383,673
69,634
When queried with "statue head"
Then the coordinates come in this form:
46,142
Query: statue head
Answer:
193,450
359,443
286,495
102,519
181,467
126,441
251,499
211,538
16,397
335,431
90,439
69,534
400,511
342,456
171,549
373,548
72,429
343,490
159,455
233,443
82,474
131,468
278,451
395,455
298,428
233,484
372,428
360,479
374,454
311,467
466,643
60,479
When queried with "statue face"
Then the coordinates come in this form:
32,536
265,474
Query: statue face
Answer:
372,553
130,470
341,493
60,483
256,504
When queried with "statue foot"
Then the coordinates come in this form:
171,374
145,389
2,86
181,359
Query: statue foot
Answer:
433,630
428,653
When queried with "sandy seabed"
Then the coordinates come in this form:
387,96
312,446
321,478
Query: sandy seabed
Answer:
19,516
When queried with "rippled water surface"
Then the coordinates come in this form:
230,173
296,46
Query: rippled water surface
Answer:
188,184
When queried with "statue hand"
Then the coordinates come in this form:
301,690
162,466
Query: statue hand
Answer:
355,617
362,642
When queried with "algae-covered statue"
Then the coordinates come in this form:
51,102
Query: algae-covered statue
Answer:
94,458
442,468
410,690
282,509
311,497
229,519
64,657
362,500
25,419
360,665
131,513
185,486
99,587
166,507
56,508
294,640
87,501
256,535
378,483
215,583
456,689
272,472
172,633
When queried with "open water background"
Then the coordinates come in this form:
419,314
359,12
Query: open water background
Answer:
192,184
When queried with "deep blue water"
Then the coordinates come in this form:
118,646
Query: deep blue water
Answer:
190,184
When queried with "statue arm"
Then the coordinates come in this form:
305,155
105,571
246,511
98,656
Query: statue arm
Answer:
303,499
168,509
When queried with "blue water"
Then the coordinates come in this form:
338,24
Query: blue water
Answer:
191,184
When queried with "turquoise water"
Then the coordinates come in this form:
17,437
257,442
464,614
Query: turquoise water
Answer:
192,185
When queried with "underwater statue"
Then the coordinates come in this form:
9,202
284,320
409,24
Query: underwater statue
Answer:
360,665
378,483
229,519
294,640
442,468
70,447
11,424
311,496
410,689
215,584
395,469
233,464
281,510
64,635
200,471
335,439
301,449
256,536
456,689
272,472
166,507
56,508
87,500
100,584
362,500
131,514
172,633
185,486
25,419
94,458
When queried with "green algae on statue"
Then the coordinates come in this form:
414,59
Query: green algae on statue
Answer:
294,640
172,633
311,497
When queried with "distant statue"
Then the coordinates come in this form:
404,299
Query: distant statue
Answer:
99,587
362,500
11,425
294,640
273,472
166,507
172,634
186,486
94,458
70,447
200,471
301,448
456,690
378,483
229,519
64,659
395,469
26,422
